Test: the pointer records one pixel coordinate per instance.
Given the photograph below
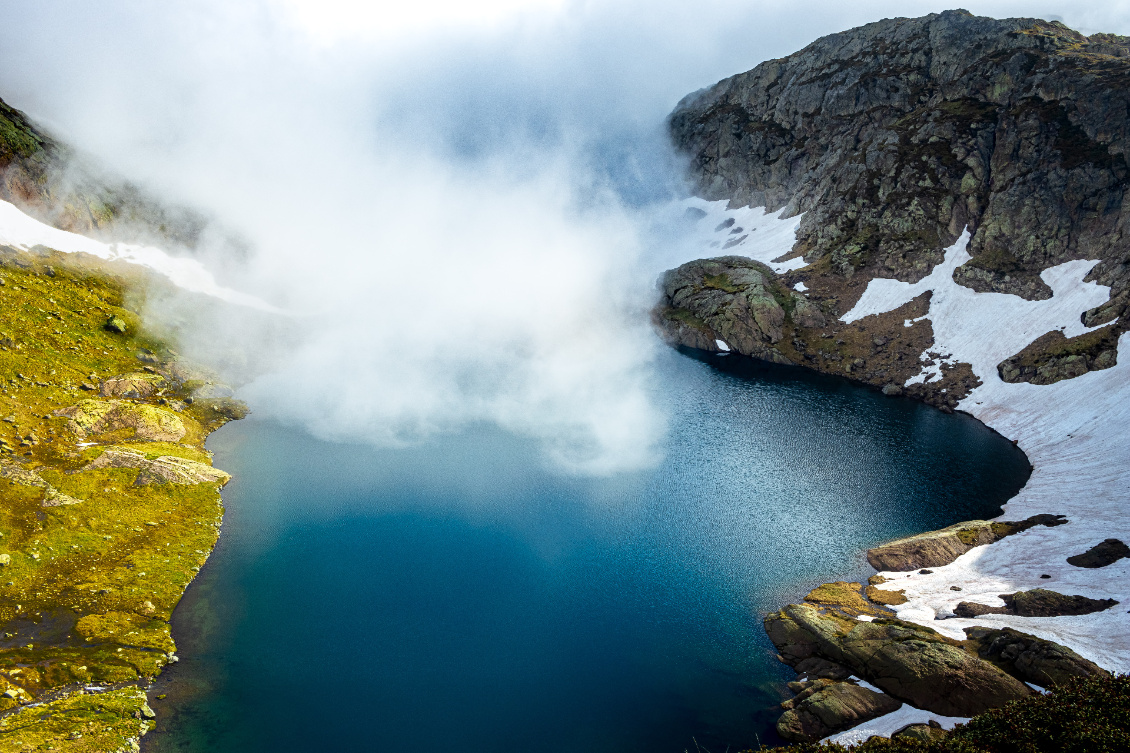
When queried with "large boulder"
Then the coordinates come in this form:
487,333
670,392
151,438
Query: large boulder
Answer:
732,299
910,662
1035,660
831,709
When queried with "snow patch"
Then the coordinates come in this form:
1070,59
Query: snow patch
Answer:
763,237
722,346
23,232
888,724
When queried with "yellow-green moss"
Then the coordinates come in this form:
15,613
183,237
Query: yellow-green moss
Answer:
92,583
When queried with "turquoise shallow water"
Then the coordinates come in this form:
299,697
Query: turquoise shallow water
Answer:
461,596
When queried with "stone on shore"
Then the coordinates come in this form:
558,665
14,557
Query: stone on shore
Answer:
831,709
1036,660
909,662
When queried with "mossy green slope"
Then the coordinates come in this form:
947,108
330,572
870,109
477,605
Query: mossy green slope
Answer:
93,556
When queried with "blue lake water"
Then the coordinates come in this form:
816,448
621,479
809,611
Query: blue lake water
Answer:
461,596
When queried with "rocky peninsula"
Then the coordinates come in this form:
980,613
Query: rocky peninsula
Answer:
935,207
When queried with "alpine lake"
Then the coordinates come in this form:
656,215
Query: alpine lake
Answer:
461,595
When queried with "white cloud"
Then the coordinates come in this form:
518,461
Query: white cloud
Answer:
448,193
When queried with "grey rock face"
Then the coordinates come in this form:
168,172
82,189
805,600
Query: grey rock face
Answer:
895,136
733,299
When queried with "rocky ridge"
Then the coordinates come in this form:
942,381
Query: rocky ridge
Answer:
892,139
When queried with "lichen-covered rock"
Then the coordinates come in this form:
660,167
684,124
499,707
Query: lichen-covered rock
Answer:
933,548
732,299
1100,555
834,708
941,547
1031,659
130,385
166,469
849,599
91,417
910,662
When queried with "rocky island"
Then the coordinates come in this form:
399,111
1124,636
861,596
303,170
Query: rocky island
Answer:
936,207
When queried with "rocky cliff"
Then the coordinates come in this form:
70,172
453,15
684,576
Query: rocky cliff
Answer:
894,138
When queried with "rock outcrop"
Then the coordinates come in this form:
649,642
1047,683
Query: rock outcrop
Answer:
735,300
1041,662
1039,602
909,662
831,707
165,469
90,417
1053,357
938,548
1100,555
46,179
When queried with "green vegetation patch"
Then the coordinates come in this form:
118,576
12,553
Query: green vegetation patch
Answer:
91,564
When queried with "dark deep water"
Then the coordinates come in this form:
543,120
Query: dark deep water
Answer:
458,596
